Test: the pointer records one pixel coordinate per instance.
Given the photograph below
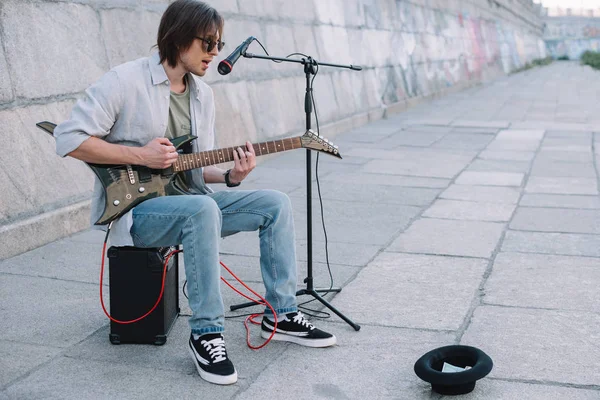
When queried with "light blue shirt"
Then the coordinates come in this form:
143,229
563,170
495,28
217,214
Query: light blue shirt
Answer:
129,105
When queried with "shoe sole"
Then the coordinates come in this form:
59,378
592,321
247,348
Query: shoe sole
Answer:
213,378
326,342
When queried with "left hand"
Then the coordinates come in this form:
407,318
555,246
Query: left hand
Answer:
244,162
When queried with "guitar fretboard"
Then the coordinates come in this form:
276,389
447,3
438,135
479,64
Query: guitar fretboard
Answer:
186,162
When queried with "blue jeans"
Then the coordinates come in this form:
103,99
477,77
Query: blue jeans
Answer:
199,221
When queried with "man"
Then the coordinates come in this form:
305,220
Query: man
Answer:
127,117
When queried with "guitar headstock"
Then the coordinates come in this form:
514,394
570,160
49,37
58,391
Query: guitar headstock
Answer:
314,141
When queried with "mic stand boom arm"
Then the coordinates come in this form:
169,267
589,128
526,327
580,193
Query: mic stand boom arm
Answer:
309,69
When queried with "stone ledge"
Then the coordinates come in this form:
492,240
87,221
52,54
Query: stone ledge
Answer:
30,233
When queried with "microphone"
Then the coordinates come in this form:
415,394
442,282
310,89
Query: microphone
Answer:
226,65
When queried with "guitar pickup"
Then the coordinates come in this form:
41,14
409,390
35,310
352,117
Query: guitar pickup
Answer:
144,174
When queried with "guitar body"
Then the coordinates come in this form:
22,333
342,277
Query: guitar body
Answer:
127,186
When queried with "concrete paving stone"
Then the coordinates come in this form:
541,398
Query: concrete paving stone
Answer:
413,291
489,194
92,236
364,193
559,144
564,220
353,254
470,210
513,145
554,125
496,389
6,93
538,345
46,311
566,156
545,281
413,167
559,201
529,135
317,377
490,178
480,165
480,130
559,169
407,138
20,358
68,378
247,268
398,180
553,185
173,356
441,124
552,243
63,260
466,141
524,156
383,127
458,238
482,124
356,223
568,135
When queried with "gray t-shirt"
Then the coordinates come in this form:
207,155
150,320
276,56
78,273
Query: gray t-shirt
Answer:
179,125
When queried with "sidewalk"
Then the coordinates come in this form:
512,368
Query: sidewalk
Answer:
473,219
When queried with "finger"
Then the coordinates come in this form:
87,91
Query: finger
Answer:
250,148
164,141
169,149
242,155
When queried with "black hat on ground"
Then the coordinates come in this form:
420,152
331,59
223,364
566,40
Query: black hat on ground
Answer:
429,368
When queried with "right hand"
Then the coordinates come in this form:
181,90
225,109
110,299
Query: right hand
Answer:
159,154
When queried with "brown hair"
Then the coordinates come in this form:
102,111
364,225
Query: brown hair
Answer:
182,21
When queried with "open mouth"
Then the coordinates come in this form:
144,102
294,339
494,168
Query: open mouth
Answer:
205,63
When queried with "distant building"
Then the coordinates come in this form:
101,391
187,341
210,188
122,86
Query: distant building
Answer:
571,31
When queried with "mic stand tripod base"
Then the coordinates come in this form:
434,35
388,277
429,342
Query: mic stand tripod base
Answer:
317,296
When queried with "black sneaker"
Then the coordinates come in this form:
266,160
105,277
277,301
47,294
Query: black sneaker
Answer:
296,329
211,359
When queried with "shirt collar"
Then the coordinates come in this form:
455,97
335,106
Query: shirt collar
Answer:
157,70
160,76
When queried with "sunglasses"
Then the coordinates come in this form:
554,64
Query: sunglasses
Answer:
209,44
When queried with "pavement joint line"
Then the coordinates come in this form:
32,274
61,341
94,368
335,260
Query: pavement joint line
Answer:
595,157
51,278
561,232
508,306
478,298
552,254
546,383
51,359
437,254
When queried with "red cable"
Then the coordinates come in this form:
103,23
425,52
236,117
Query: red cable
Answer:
162,289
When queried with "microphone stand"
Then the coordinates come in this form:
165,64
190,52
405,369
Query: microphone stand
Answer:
309,69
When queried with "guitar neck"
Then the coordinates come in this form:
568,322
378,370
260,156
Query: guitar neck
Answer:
186,162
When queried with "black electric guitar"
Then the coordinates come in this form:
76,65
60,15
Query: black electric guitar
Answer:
126,186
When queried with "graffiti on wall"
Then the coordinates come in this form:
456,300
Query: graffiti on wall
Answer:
441,49
571,36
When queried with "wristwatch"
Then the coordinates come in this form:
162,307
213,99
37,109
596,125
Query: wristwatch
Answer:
228,182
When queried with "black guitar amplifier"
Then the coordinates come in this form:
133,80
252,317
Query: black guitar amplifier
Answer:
135,282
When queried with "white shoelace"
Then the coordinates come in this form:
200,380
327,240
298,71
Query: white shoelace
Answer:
299,319
216,349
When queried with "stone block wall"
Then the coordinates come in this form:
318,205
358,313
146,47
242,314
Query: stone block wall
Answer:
51,50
